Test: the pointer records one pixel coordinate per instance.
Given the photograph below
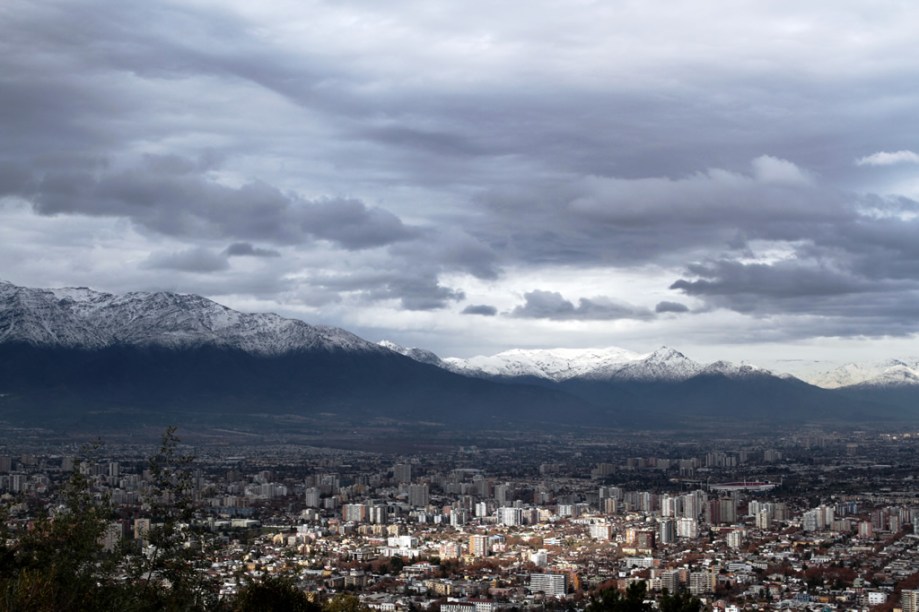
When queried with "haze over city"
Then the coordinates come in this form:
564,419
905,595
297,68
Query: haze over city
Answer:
736,180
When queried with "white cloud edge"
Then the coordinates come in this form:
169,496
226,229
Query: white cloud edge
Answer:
885,158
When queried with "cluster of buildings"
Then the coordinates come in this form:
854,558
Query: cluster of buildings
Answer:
467,530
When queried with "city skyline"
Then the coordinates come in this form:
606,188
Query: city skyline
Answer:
737,181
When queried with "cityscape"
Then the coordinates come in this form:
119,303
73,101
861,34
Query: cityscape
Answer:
799,520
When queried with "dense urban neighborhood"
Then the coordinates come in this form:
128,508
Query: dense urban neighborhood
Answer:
806,520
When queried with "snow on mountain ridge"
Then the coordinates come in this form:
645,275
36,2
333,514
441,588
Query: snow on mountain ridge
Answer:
892,372
731,370
550,364
420,355
558,365
77,317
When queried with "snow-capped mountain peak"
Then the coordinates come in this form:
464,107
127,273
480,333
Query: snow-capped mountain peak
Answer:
665,364
77,317
666,354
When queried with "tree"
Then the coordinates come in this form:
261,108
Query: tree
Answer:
344,603
273,594
169,574
60,563
611,599
396,564
679,602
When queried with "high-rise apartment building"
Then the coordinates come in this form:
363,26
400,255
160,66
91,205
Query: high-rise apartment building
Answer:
510,516
735,538
356,513
670,580
601,531
700,583
502,493
402,472
418,495
667,531
553,585
478,545
378,514
687,528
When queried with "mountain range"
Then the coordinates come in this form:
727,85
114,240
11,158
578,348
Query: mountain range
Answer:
597,364
78,358
664,364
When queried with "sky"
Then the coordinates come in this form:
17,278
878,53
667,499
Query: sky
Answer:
735,179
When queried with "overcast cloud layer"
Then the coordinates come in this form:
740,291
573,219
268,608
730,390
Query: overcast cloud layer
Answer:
730,178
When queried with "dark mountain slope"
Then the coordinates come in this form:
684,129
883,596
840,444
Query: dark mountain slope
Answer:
55,384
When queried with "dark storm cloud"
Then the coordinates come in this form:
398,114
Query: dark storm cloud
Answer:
480,309
245,249
551,305
861,268
875,248
450,248
841,243
606,134
171,197
438,143
592,130
666,306
831,301
415,289
417,293
191,260
781,280
353,225
14,178
593,219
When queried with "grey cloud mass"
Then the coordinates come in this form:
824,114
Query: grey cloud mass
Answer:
414,289
666,306
540,304
190,260
169,197
378,165
880,305
480,309
245,249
